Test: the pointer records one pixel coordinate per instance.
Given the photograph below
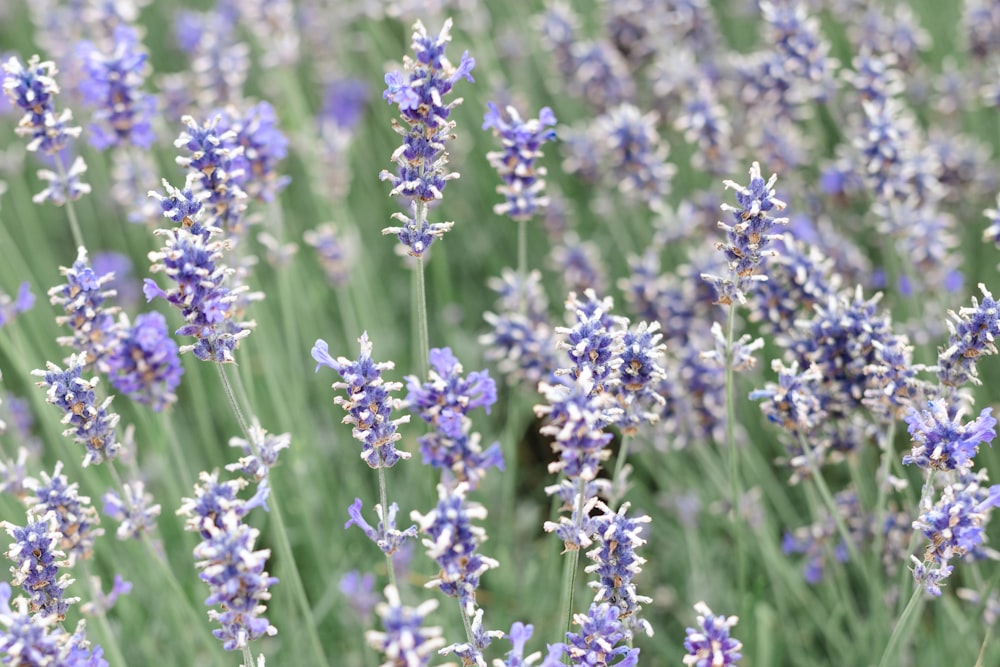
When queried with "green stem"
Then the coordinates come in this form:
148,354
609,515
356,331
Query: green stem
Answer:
883,491
247,656
383,496
572,561
110,644
522,264
423,337
616,478
734,460
74,223
902,629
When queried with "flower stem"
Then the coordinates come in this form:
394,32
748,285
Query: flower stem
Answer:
74,223
570,565
522,264
902,630
616,478
247,656
423,337
383,496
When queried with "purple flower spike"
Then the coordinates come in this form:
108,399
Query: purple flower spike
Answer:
386,536
404,639
709,645
940,439
523,183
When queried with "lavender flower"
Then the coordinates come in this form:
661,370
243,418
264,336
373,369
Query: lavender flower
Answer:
32,88
369,404
444,402
213,159
260,452
113,86
599,641
82,298
37,559
28,638
91,423
616,563
940,439
229,563
452,542
101,603
144,364
954,527
192,260
256,133
133,510
335,250
640,372
518,636
709,645
22,303
748,236
386,536
594,341
523,184
76,520
422,160
359,592
638,159
972,335
404,639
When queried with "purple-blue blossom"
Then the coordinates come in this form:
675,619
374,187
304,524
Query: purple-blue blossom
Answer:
385,535
144,364
228,559
973,331
32,88
452,541
260,452
404,639
37,560
90,423
211,156
518,637
359,591
113,82
369,403
82,298
709,644
422,161
76,520
600,640
28,638
262,146
941,441
594,340
133,509
615,564
11,308
523,183
751,231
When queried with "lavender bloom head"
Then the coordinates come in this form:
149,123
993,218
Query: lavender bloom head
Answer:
518,636
748,236
32,88
616,563
422,160
335,251
82,298
638,159
523,184
192,260
359,591
229,563
594,341
452,542
76,520
404,640
641,373
954,527
29,638
135,512
90,423
113,86
600,640
369,403
709,645
942,441
972,334
260,452
386,536
144,365
213,159
37,559
256,132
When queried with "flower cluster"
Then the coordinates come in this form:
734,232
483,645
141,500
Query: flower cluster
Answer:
601,640
972,334
260,452
37,559
76,520
942,441
616,563
28,638
369,403
452,542
404,640
90,423
213,159
113,86
444,402
385,535
709,645
523,183
335,251
133,509
82,298
229,563
193,260
32,88
422,160
257,145
748,236
144,363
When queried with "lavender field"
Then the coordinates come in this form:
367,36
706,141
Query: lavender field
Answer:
430,332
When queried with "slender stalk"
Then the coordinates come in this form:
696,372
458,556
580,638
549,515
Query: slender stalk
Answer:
227,386
423,337
110,644
734,460
247,656
829,502
616,478
383,496
522,263
883,489
902,629
571,564
74,223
